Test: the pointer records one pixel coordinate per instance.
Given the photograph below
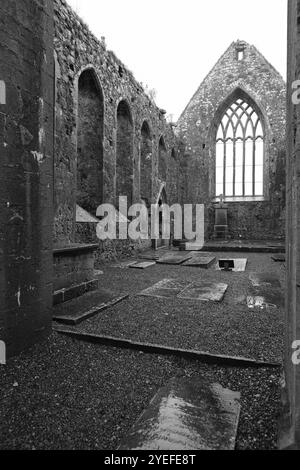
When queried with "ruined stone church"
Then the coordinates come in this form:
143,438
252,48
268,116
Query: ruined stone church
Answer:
77,130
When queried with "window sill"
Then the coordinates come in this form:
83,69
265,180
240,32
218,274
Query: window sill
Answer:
241,199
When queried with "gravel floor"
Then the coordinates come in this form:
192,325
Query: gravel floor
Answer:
65,394
228,327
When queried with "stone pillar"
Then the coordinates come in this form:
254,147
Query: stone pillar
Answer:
26,172
290,429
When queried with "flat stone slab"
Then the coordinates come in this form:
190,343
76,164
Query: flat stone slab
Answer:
278,258
149,256
124,264
264,279
265,292
143,265
240,264
193,246
165,289
204,291
265,298
187,415
174,258
86,306
200,261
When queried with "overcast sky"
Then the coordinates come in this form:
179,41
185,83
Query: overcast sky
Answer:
171,45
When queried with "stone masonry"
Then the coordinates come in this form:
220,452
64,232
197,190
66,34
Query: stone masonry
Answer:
26,171
254,79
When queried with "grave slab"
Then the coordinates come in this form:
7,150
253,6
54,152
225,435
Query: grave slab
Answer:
200,261
174,258
240,265
204,291
264,279
278,258
167,288
143,265
86,306
149,256
265,298
124,264
193,246
187,415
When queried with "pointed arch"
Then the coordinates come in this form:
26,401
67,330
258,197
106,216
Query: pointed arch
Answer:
239,139
124,152
146,163
162,160
90,129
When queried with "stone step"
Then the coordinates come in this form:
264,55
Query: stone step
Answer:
86,306
74,291
187,415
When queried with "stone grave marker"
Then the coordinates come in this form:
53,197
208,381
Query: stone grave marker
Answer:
82,308
143,265
174,258
204,291
187,415
200,261
265,292
167,288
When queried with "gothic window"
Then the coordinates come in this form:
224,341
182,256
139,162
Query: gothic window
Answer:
240,152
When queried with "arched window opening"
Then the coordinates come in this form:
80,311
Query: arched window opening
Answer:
124,160
146,164
89,142
240,152
162,160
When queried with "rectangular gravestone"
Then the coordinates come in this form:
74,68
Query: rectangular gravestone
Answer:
265,292
174,258
193,246
204,291
84,307
149,256
124,264
200,261
143,265
265,298
187,415
264,279
240,264
167,288
278,258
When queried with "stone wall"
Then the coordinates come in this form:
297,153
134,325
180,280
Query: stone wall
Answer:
290,429
127,110
26,171
255,80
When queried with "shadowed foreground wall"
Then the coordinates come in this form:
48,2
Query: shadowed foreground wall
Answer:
290,432
26,171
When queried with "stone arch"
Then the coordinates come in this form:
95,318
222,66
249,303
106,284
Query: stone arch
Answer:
124,152
173,176
239,92
162,160
146,164
161,199
90,128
